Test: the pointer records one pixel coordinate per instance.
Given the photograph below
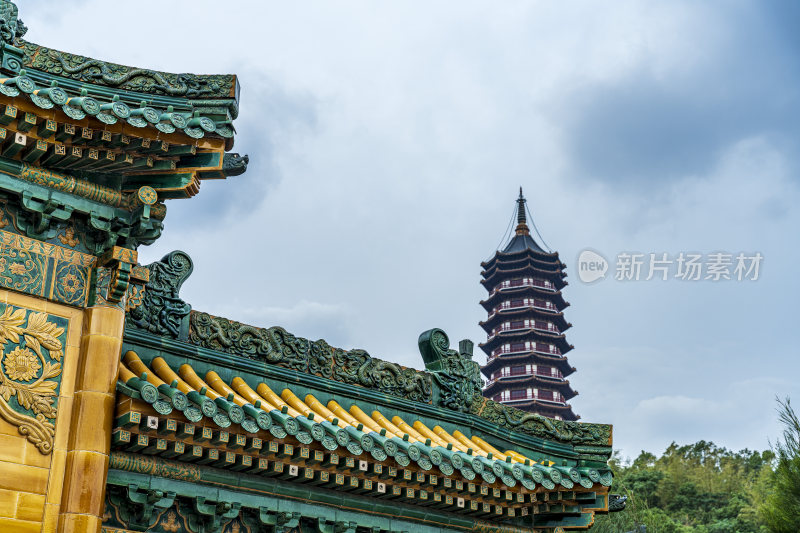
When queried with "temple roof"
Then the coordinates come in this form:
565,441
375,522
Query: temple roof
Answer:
106,142
252,408
195,105
201,389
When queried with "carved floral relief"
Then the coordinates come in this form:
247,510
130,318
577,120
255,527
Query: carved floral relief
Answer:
30,372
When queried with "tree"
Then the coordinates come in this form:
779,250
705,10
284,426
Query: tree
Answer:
781,508
695,488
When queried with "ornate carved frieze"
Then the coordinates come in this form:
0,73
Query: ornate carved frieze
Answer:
30,371
45,270
541,426
277,346
88,70
143,464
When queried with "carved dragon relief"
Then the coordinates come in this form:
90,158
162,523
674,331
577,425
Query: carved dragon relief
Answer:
541,426
134,79
276,346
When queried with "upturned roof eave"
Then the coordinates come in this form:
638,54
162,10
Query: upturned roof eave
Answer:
544,383
525,260
514,291
176,102
558,340
499,253
543,406
560,363
522,312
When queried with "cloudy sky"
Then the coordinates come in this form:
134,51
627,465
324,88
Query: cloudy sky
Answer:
387,143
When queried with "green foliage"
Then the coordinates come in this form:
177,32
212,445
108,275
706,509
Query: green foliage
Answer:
701,488
697,488
781,508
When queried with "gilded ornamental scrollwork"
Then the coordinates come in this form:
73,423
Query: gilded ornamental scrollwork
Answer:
30,372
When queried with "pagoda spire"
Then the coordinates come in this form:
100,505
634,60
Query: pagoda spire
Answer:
522,221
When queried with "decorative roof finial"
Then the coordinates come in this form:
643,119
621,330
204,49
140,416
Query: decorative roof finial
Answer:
11,28
522,221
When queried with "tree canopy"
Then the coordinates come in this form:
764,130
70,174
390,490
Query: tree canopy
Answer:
704,488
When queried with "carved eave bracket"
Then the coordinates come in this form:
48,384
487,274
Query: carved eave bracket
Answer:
142,504
48,202
281,521
210,514
119,275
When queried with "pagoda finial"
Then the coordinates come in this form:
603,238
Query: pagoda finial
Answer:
522,221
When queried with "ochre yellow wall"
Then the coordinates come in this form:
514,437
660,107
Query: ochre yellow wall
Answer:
31,481
89,443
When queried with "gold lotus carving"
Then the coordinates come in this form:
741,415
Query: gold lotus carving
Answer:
31,355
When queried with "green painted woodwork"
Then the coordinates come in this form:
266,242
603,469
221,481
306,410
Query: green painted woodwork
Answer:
40,271
48,92
65,164
148,346
52,208
266,498
161,324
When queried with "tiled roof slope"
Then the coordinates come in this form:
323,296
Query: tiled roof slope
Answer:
261,403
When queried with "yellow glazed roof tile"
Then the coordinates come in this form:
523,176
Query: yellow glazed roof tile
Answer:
307,420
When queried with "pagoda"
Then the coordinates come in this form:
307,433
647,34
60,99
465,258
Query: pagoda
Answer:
526,348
